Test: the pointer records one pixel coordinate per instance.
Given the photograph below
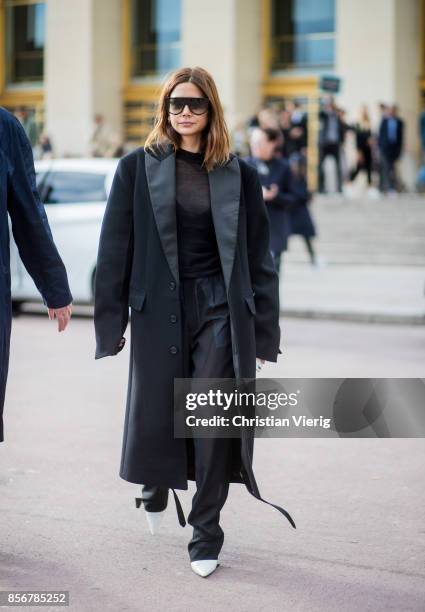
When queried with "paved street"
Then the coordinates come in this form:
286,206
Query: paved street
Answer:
69,522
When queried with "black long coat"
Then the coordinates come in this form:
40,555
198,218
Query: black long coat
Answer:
32,234
278,171
137,266
301,221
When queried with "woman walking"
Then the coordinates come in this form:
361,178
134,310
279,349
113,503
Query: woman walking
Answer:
301,222
185,244
363,133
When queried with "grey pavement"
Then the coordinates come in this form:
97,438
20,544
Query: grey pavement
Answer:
68,521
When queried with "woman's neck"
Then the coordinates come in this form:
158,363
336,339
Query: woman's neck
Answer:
191,143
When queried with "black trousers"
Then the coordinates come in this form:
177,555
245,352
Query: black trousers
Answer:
208,354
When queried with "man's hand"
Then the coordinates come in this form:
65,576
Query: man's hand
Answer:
63,316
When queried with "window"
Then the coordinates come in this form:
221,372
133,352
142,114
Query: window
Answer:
25,35
72,187
302,34
155,36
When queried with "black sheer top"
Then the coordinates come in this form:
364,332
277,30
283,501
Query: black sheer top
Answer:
197,244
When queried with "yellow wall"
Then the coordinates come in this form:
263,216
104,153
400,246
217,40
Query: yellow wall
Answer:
138,99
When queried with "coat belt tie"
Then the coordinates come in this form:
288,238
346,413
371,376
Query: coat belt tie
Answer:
253,489
179,508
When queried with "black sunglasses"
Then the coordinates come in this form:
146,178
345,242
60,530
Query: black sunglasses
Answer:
197,106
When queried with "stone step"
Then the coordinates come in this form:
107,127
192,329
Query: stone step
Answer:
380,232
358,260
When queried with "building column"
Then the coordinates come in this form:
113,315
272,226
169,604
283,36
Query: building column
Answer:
406,83
82,71
224,37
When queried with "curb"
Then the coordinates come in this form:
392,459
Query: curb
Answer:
355,317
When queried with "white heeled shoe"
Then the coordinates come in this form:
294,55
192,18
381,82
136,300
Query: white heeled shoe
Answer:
154,520
205,567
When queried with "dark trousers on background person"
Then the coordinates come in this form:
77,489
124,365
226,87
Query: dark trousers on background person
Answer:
389,181
207,350
332,149
364,163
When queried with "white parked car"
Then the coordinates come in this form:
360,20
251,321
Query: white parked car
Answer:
74,194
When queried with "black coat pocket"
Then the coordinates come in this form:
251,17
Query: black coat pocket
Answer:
136,299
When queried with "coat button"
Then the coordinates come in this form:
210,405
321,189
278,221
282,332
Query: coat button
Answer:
173,318
172,285
173,349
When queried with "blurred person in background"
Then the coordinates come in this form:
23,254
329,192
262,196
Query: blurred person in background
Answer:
293,125
44,148
240,139
422,133
268,118
253,120
331,134
345,128
287,146
390,140
275,178
299,127
301,222
31,231
27,120
420,177
104,141
363,133
383,111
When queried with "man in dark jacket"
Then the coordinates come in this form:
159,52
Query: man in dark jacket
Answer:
331,137
31,231
275,178
390,142
422,133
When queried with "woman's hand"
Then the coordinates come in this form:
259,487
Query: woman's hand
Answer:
271,193
63,316
260,363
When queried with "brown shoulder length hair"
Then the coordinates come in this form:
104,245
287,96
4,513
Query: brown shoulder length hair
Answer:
215,138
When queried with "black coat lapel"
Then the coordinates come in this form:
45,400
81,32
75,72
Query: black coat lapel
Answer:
225,187
161,177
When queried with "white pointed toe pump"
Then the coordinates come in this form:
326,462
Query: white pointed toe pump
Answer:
155,501
205,567
154,520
